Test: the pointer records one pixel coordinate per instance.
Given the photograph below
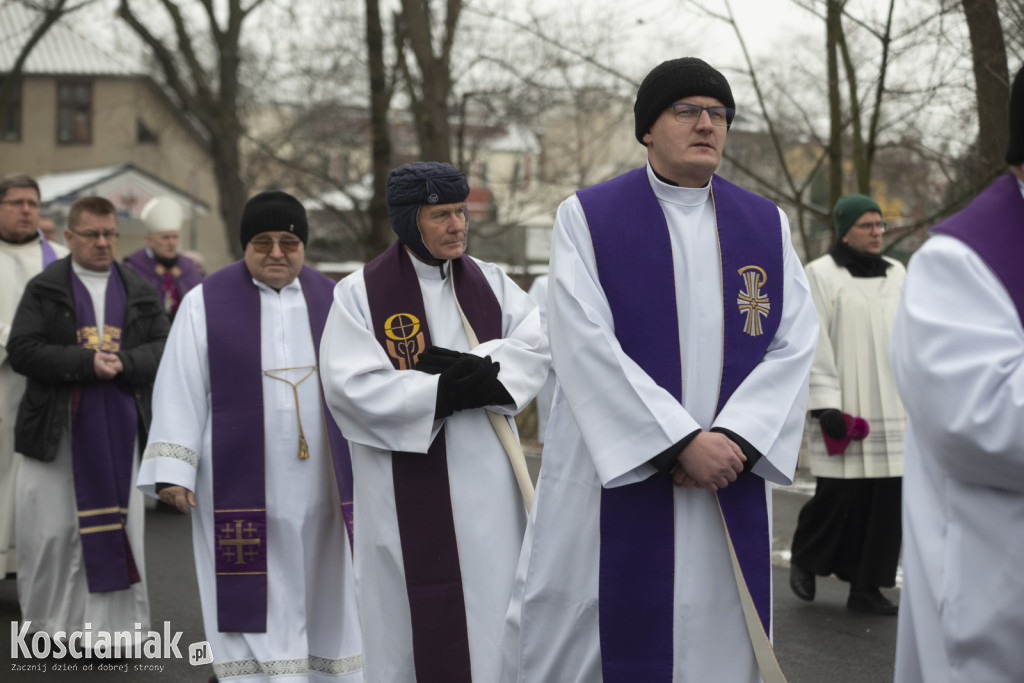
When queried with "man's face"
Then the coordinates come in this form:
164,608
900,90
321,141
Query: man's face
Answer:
164,244
443,228
275,258
19,214
865,235
686,153
92,241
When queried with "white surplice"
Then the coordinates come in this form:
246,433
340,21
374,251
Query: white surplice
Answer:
52,584
609,418
381,410
851,370
958,357
539,293
19,263
312,619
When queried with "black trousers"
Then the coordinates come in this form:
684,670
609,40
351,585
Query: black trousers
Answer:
851,528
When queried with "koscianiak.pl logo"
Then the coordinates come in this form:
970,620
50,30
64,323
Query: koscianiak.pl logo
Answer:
28,647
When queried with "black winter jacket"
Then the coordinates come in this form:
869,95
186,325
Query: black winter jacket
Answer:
43,346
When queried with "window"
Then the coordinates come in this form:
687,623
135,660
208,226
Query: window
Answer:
10,121
143,135
74,112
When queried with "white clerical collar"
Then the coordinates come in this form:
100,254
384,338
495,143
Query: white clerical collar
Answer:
82,272
294,284
673,194
427,271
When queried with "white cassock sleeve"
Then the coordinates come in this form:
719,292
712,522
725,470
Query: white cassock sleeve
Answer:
768,408
626,418
958,358
825,391
181,401
381,407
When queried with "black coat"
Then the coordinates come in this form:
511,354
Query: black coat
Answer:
43,346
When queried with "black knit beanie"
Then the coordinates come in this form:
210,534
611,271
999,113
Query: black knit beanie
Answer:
673,80
1015,148
273,211
413,185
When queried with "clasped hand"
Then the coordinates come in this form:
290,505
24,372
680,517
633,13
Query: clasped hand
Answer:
710,461
107,365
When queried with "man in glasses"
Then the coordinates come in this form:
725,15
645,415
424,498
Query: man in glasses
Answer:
958,357
24,252
851,527
88,335
171,274
682,334
414,385
240,433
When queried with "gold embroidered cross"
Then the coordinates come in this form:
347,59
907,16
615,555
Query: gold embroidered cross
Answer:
239,548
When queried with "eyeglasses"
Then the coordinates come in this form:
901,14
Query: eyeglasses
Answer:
29,203
265,246
690,113
93,236
870,227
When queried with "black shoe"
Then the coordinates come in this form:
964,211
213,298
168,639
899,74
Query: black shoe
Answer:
871,601
802,582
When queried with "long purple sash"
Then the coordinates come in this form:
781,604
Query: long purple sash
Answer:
993,226
102,445
637,521
423,504
49,255
171,285
232,304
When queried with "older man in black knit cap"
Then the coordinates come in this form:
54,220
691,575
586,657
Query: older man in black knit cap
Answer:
958,357
427,354
240,433
682,321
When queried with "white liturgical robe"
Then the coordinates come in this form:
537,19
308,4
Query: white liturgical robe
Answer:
19,263
609,418
380,410
312,620
958,356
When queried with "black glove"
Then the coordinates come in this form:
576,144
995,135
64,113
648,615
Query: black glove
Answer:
832,422
464,384
437,359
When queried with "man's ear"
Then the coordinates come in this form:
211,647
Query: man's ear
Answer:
648,138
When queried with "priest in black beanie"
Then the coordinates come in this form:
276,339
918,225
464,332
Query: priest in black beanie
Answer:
851,527
682,320
427,354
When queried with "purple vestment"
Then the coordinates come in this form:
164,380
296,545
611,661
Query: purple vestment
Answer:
993,226
171,283
103,431
422,493
637,520
232,304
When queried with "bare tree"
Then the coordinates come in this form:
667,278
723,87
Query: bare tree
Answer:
209,94
49,14
988,54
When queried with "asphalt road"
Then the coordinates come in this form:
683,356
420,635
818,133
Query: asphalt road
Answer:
815,642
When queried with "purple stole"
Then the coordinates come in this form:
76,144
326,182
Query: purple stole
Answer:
103,430
171,285
49,255
637,562
232,304
423,503
993,227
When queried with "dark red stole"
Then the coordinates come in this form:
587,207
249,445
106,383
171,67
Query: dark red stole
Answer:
103,432
423,505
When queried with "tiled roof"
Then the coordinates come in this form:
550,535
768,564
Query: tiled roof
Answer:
62,50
